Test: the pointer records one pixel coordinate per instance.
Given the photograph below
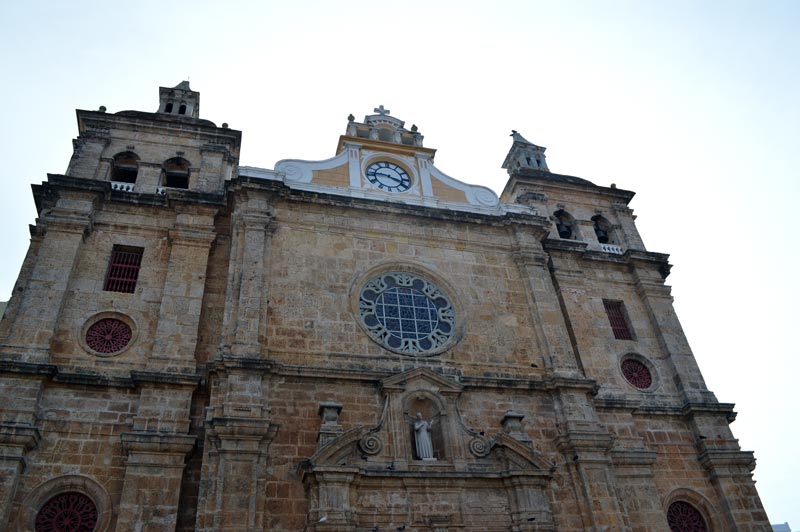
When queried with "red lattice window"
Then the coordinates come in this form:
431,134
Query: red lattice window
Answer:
616,316
637,374
123,270
67,512
683,517
108,335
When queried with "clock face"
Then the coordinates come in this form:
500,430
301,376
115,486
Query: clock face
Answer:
388,176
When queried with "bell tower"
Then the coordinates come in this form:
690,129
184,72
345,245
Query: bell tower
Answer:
524,154
180,100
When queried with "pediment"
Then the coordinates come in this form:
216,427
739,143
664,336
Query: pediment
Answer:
421,379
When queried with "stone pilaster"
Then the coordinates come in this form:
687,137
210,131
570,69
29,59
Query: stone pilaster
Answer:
152,484
729,468
15,443
64,229
530,511
248,277
179,315
657,299
585,445
232,492
546,315
633,469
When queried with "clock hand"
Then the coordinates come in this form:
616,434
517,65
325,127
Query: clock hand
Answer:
390,176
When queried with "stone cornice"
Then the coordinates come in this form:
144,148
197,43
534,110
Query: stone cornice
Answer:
136,378
368,204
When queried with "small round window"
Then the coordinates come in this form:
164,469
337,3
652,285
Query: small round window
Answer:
637,374
683,517
67,512
406,313
108,336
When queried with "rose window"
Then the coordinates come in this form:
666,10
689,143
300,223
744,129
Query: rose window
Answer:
108,335
406,313
637,374
683,517
67,512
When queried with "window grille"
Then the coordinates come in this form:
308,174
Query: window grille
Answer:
123,269
616,316
67,512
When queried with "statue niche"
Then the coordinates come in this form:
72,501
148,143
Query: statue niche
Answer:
425,430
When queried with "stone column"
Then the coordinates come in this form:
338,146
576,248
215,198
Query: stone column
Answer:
182,297
64,229
152,483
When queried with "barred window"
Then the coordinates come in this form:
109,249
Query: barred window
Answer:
619,323
123,269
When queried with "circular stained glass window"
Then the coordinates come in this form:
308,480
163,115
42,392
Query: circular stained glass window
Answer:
683,517
637,374
67,512
406,313
108,336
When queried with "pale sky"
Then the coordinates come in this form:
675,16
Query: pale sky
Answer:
693,105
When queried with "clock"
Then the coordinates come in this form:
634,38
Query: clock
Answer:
388,176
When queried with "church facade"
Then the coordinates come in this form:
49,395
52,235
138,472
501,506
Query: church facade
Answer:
362,343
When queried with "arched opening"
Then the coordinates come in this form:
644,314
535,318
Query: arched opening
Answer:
175,173
182,109
125,167
565,225
168,108
603,230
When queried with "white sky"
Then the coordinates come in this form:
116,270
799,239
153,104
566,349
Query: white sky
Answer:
693,105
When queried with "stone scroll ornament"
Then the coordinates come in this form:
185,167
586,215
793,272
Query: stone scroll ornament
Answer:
407,314
370,444
480,446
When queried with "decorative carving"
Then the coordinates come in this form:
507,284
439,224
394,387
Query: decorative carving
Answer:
422,437
480,446
108,336
370,444
407,314
67,512
683,517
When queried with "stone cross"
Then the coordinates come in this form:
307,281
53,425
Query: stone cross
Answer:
381,111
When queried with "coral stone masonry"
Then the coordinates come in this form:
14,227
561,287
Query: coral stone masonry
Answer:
362,343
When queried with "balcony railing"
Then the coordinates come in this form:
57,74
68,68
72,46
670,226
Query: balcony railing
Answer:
122,187
611,248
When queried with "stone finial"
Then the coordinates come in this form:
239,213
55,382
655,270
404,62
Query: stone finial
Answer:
102,109
350,117
512,425
329,412
329,415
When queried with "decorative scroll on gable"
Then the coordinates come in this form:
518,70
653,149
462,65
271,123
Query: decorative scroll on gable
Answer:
380,159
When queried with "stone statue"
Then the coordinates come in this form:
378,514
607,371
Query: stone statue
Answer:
422,437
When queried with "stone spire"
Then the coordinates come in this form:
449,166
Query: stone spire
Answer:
180,100
524,154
